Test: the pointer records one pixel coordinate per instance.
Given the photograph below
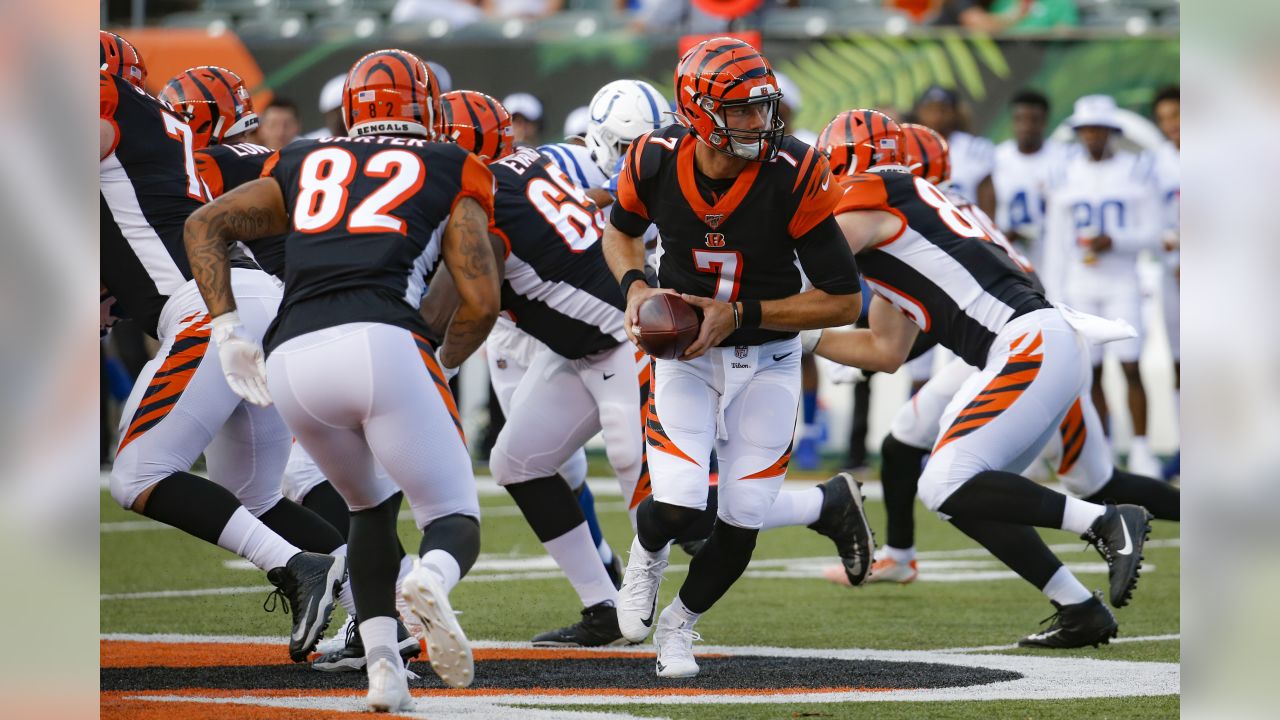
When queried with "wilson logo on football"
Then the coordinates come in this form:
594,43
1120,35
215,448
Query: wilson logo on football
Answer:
715,239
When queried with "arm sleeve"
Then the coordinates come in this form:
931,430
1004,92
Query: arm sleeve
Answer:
629,214
827,260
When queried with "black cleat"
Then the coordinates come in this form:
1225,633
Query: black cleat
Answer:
307,585
351,657
1074,626
597,628
1119,536
844,520
615,570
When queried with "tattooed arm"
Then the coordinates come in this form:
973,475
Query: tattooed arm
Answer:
249,212
469,257
441,300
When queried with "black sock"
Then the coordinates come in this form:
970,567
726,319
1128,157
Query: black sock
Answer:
302,527
701,527
1158,497
195,505
458,535
548,505
658,523
1006,497
1018,546
373,562
717,565
899,476
325,501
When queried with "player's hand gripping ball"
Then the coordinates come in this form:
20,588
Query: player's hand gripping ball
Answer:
667,326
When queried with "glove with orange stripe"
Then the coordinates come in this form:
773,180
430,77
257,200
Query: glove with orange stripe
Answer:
241,357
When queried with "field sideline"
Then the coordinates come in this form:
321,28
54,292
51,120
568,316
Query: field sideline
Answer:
784,643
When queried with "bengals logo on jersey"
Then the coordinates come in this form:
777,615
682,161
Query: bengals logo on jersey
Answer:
715,239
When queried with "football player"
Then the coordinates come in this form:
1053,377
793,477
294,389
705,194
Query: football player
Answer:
350,366
1103,211
1083,457
740,209
1166,109
181,406
932,271
1021,174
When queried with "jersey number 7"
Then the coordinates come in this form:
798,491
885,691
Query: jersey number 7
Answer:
322,190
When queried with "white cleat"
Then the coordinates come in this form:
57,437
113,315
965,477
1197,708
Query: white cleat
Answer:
447,648
638,597
674,642
388,684
339,639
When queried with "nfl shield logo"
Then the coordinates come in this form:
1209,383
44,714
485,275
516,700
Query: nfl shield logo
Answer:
714,220
740,351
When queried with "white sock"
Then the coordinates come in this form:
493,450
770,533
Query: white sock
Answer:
1064,589
682,613
577,557
1139,445
246,536
1078,516
379,632
902,556
606,552
794,507
445,566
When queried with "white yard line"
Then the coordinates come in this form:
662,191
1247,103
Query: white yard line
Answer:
996,648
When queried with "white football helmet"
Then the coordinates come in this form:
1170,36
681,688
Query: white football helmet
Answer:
622,111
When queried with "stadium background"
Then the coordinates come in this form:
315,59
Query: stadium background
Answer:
839,53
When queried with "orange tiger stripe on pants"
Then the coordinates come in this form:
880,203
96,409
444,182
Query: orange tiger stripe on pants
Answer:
1004,390
171,379
1073,434
427,351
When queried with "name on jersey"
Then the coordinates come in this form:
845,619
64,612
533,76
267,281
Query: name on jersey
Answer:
523,159
249,149
384,127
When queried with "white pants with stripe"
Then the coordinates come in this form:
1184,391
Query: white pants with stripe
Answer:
1004,414
510,351
181,406
562,403
743,403
363,392
1078,452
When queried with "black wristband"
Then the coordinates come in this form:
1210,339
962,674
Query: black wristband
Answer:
630,277
751,313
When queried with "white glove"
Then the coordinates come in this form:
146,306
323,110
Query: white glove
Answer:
241,357
809,340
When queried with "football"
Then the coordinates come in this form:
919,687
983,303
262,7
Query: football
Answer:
668,326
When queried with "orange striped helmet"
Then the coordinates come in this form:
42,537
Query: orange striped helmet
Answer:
721,80
119,57
928,154
391,92
214,101
857,140
477,122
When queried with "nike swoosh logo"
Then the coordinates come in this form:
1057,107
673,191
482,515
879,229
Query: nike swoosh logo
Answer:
825,181
648,622
783,356
609,375
1128,542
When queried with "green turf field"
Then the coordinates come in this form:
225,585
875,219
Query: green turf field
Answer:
781,603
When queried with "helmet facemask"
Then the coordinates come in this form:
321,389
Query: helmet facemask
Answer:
756,145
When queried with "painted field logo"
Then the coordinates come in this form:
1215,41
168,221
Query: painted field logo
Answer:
202,674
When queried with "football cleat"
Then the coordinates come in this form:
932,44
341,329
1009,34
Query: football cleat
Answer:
388,683
615,570
1118,535
673,641
1074,626
307,586
350,657
844,520
447,648
638,597
597,628
889,570
339,639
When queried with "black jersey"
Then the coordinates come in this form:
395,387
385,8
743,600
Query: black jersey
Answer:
148,187
558,287
940,269
225,167
366,217
750,239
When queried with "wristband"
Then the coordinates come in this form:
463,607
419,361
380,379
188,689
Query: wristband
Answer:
737,319
751,313
630,277
809,340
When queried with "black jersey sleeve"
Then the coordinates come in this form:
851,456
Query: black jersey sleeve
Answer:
827,260
630,213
